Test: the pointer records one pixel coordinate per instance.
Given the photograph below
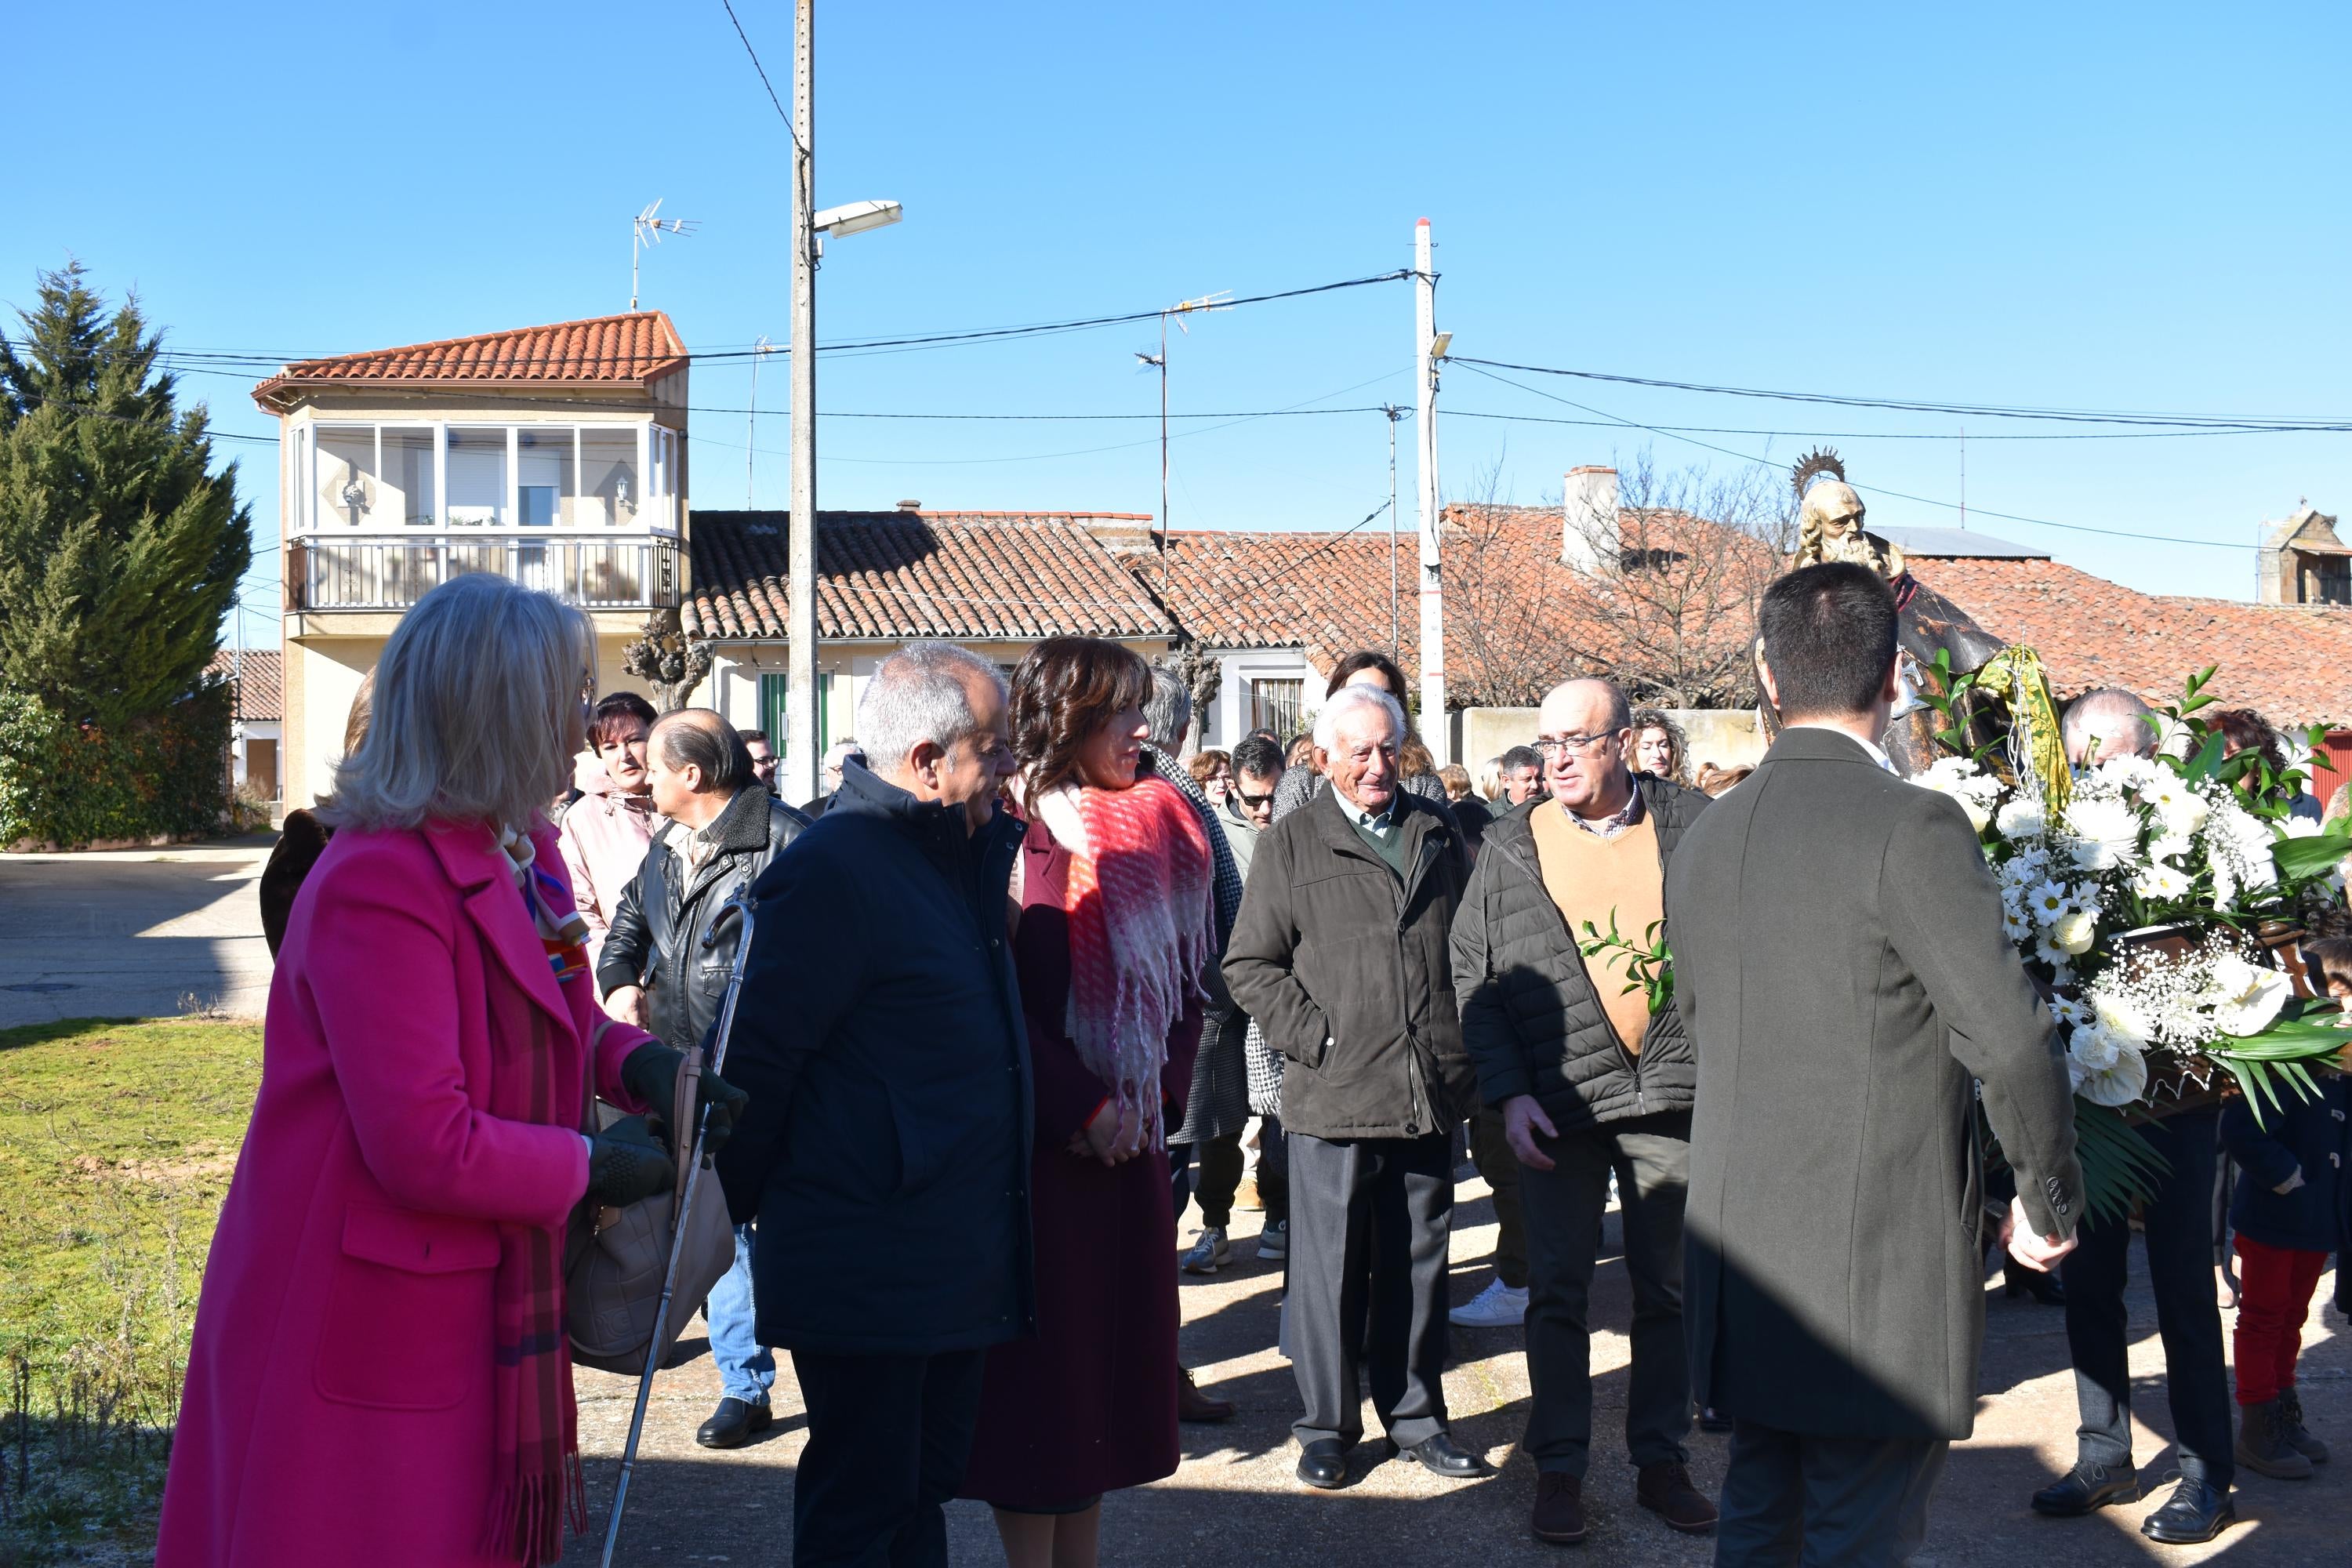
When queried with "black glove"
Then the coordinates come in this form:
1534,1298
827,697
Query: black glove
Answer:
627,1165
651,1074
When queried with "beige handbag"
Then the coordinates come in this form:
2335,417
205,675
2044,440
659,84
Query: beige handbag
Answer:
613,1258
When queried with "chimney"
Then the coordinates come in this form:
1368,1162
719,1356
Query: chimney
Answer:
910,506
1587,523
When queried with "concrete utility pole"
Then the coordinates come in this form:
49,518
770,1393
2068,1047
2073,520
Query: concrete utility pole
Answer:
1432,596
800,757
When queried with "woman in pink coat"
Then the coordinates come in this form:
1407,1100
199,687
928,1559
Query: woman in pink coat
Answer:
380,1373
606,831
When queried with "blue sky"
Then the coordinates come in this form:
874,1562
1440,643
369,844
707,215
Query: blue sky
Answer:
2128,207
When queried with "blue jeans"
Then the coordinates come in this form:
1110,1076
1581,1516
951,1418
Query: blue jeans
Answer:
747,1369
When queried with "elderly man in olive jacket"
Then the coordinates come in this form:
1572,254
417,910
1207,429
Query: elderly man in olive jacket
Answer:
1340,955
1840,963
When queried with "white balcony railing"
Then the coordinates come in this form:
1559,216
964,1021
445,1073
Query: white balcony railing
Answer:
393,571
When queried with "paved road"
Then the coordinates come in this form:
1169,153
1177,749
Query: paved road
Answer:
133,932
1234,1500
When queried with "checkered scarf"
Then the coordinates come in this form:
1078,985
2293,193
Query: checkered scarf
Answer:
535,1447
1140,927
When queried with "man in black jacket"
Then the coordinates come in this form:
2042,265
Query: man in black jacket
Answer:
885,1152
1589,1078
665,962
1340,955
1840,966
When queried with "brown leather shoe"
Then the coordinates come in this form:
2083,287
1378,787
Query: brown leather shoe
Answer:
1191,1405
1559,1507
1665,1490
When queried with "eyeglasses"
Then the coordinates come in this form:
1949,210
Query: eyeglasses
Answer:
1560,746
1255,802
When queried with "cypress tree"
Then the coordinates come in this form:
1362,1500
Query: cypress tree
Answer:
120,545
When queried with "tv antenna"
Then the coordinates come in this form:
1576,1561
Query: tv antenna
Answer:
1147,360
646,229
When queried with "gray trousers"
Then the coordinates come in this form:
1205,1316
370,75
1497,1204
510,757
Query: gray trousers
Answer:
1651,1155
1371,1219
1792,1500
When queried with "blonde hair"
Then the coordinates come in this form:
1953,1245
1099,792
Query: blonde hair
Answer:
478,709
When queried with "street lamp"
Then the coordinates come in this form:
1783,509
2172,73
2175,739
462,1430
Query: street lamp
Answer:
809,226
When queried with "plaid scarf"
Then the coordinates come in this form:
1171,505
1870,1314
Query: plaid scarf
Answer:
535,1444
1228,879
1141,926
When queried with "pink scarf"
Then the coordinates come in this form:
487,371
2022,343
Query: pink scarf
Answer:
1137,902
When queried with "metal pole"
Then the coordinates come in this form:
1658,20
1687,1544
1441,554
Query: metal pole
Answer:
1396,625
1433,601
800,707
741,904
751,427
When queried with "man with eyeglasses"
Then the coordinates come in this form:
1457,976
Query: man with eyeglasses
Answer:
1248,811
1589,1078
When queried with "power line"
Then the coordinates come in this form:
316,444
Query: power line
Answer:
1915,406
2167,434
763,78
1874,490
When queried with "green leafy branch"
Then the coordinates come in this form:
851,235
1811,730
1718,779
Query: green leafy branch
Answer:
1649,965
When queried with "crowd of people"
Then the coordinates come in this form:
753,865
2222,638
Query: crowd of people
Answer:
1026,982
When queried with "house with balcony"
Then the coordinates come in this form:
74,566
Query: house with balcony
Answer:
554,455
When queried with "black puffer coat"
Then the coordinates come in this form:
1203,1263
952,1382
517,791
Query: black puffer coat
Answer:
655,939
1530,1018
1344,967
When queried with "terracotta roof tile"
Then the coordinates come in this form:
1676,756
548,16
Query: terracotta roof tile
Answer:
263,670
1011,576
1519,617
2292,663
637,348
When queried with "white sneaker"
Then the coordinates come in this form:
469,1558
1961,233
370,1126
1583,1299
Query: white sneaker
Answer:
1208,1254
1496,1306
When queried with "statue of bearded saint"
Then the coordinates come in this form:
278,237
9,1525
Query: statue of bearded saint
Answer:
1830,527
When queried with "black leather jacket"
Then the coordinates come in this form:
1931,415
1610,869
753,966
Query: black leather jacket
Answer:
657,937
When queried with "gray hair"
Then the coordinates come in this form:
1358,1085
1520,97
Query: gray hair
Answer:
478,711
1347,699
2106,714
917,695
699,738
1168,711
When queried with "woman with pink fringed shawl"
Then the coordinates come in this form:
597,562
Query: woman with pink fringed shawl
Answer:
1113,934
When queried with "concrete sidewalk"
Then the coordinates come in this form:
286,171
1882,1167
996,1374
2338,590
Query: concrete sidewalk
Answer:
1234,1500
125,933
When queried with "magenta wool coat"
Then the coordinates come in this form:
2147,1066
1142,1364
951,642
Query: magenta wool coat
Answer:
339,1405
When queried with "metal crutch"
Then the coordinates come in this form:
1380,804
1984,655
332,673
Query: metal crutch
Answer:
741,904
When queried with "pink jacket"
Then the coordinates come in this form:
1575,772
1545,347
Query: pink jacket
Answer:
604,844
339,1401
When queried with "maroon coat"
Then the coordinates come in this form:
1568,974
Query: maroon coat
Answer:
1088,1405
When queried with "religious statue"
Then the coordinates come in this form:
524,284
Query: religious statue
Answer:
1830,527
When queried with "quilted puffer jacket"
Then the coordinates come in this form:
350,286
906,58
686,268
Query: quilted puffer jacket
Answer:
1532,1020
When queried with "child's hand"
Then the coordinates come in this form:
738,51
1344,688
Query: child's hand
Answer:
2290,1184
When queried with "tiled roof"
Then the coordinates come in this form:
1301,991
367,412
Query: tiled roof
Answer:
637,348
2292,664
1518,617
262,670
987,575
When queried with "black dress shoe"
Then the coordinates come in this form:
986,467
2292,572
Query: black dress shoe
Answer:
2086,1489
733,1424
1441,1455
2017,1279
2194,1512
1323,1463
